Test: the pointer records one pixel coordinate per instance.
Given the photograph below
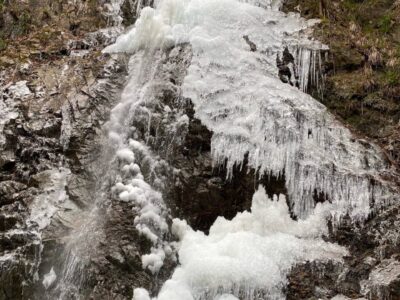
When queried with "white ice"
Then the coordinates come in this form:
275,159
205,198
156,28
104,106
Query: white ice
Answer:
46,204
248,255
131,184
49,279
20,90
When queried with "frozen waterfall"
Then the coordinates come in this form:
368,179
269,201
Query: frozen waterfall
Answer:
238,96
281,130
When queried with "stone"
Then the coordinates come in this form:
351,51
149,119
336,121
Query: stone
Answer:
383,281
8,189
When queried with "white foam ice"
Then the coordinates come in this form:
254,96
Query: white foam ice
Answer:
226,297
141,294
131,185
247,256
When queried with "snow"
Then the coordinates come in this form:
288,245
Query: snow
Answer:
249,255
49,279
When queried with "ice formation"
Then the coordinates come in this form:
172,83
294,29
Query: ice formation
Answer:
19,90
151,212
49,279
131,185
307,66
238,96
282,131
248,256
45,205
41,210
113,12
381,279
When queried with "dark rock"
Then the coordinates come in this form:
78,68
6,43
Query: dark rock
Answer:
8,222
253,47
7,161
8,190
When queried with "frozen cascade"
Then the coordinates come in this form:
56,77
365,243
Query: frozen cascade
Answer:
282,131
151,210
125,158
238,96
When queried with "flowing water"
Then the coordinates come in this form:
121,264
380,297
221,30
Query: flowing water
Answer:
238,96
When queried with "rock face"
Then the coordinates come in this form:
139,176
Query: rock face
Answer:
55,93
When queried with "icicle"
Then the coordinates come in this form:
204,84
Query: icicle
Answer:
113,12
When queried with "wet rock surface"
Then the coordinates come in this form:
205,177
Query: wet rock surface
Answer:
54,97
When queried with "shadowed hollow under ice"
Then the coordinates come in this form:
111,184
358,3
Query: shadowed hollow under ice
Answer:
237,94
